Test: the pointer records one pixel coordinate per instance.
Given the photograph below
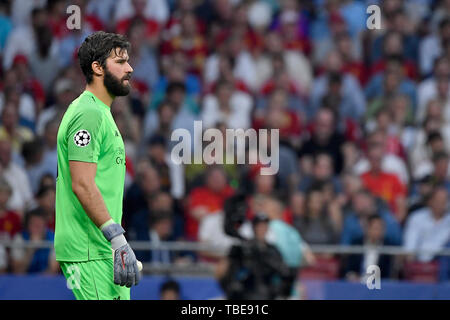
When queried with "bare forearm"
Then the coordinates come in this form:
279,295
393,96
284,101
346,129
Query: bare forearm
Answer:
92,201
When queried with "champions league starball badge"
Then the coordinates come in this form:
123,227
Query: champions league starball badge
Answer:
82,138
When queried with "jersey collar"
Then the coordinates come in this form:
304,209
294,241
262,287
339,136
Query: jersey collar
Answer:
97,100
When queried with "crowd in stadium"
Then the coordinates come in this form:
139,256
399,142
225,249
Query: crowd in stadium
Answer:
363,118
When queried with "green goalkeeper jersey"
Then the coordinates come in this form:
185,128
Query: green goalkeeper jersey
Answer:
87,133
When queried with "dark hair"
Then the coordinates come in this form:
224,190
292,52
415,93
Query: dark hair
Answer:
38,212
160,215
157,140
443,23
165,102
374,217
36,11
170,285
31,150
434,135
429,196
176,85
43,190
440,156
335,78
395,58
98,47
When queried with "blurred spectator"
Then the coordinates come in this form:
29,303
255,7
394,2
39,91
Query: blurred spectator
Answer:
6,25
373,237
316,223
207,199
190,42
3,260
50,158
184,108
46,203
325,138
211,231
69,45
226,105
428,88
294,63
176,70
428,229
294,251
364,205
333,19
169,290
13,93
431,46
419,193
32,260
10,221
288,176
171,176
323,172
30,84
33,153
384,85
22,195
156,10
351,62
433,130
390,162
146,183
22,38
396,44
278,115
440,170
242,65
383,184
129,128
11,130
293,37
44,63
395,121
157,228
346,87
64,93
143,53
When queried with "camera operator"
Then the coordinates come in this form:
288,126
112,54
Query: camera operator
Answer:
254,269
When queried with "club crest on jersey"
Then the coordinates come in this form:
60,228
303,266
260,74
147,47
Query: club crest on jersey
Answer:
82,138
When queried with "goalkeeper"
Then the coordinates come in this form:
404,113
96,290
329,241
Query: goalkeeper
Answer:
91,176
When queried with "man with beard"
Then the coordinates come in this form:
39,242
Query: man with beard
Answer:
90,180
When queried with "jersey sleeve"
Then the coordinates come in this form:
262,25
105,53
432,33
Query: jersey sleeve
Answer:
85,135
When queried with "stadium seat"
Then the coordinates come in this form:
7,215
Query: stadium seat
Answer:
421,271
326,268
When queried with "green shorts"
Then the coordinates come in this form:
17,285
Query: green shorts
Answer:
93,280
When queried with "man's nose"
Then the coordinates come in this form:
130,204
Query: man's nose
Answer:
129,69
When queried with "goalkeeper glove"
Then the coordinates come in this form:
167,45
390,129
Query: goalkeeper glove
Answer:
126,272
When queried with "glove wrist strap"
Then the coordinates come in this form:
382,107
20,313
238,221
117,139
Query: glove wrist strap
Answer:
118,242
111,230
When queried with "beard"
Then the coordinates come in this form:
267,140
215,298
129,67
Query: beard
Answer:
115,86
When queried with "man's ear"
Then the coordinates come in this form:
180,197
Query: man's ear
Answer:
97,68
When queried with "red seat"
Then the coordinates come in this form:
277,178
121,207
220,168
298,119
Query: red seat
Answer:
324,269
422,271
